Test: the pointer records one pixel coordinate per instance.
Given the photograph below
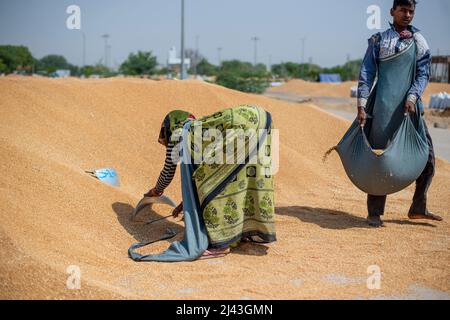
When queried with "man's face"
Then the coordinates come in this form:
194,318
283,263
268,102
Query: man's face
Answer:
403,15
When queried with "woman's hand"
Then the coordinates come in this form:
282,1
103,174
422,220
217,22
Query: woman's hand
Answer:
177,210
153,193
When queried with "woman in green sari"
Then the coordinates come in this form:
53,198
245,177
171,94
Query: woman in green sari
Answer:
227,183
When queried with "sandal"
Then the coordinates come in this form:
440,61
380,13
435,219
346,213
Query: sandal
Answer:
253,239
214,253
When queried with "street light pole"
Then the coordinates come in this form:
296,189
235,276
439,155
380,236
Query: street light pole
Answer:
106,36
109,55
219,54
196,56
182,41
303,49
256,39
84,49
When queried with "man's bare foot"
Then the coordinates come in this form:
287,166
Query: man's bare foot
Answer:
424,216
375,221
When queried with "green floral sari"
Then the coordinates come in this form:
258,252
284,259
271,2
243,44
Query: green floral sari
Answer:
237,198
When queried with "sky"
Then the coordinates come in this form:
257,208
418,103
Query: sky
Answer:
333,31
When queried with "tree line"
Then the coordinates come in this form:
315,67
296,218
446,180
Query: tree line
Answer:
234,74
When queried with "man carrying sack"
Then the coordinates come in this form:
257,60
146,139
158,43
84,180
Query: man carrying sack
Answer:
400,58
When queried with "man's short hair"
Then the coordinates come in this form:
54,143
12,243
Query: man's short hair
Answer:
404,3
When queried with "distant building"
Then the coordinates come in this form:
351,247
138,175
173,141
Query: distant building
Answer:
276,83
60,74
440,69
174,63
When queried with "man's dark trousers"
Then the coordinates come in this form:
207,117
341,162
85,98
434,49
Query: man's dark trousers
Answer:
376,204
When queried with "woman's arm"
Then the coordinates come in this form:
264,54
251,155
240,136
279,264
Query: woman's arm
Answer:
168,172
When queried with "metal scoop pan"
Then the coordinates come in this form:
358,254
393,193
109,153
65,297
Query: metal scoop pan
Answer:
148,201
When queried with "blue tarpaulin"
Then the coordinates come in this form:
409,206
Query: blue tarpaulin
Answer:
324,77
440,101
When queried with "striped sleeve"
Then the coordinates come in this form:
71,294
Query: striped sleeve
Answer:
168,172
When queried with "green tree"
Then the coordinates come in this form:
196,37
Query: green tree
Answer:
162,71
52,62
243,76
306,71
351,70
309,72
74,70
2,66
16,58
260,71
233,81
98,69
205,68
87,71
142,63
293,69
243,69
348,71
279,70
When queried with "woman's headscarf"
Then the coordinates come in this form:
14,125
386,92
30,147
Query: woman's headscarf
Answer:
174,120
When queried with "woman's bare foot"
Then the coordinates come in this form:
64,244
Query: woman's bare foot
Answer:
215,253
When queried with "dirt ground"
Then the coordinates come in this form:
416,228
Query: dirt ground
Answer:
55,216
316,89
336,96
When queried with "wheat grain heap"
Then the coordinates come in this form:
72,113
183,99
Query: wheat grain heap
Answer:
54,215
